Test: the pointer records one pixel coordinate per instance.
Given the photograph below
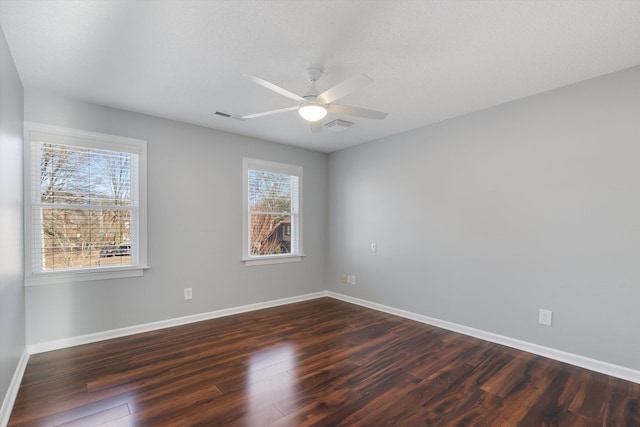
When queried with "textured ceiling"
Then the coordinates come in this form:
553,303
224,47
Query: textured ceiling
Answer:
430,60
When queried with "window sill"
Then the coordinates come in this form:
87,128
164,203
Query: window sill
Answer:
275,259
68,276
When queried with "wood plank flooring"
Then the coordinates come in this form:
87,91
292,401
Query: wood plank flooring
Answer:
317,363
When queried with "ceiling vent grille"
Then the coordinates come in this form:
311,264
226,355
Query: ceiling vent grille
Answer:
228,115
338,125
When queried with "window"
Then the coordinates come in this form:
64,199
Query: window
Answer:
85,205
272,214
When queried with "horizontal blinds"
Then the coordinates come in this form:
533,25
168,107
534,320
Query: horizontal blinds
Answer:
81,176
84,207
82,139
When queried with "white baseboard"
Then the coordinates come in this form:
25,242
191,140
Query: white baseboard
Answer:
562,356
14,386
147,327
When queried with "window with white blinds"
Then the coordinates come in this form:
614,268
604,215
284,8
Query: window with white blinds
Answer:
272,214
86,212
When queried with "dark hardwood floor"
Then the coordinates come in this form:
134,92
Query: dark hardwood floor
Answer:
322,362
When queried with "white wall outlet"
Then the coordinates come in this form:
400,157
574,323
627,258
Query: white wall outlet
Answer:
545,317
353,279
188,293
344,278
374,247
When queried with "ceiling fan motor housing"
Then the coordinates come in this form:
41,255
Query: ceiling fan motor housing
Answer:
312,109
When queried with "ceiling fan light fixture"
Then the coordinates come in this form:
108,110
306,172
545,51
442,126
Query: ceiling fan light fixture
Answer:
312,111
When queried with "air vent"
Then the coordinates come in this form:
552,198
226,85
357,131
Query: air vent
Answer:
228,115
338,125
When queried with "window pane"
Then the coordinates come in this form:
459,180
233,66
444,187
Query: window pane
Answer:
272,212
77,175
96,230
84,238
270,234
269,192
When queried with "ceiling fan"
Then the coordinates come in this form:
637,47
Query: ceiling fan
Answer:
313,107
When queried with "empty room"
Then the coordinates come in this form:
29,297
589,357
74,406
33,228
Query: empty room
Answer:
320,213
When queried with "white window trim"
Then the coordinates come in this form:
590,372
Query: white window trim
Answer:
283,168
38,131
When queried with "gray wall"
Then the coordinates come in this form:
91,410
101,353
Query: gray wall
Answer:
194,227
483,219
12,321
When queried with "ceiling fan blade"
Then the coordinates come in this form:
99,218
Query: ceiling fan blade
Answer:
356,112
345,88
268,113
275,88
315,126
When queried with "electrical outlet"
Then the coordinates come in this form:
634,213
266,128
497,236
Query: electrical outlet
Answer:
545,317
188,293
352,279
374,247
344,278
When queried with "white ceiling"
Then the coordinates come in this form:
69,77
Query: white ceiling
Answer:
430,60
